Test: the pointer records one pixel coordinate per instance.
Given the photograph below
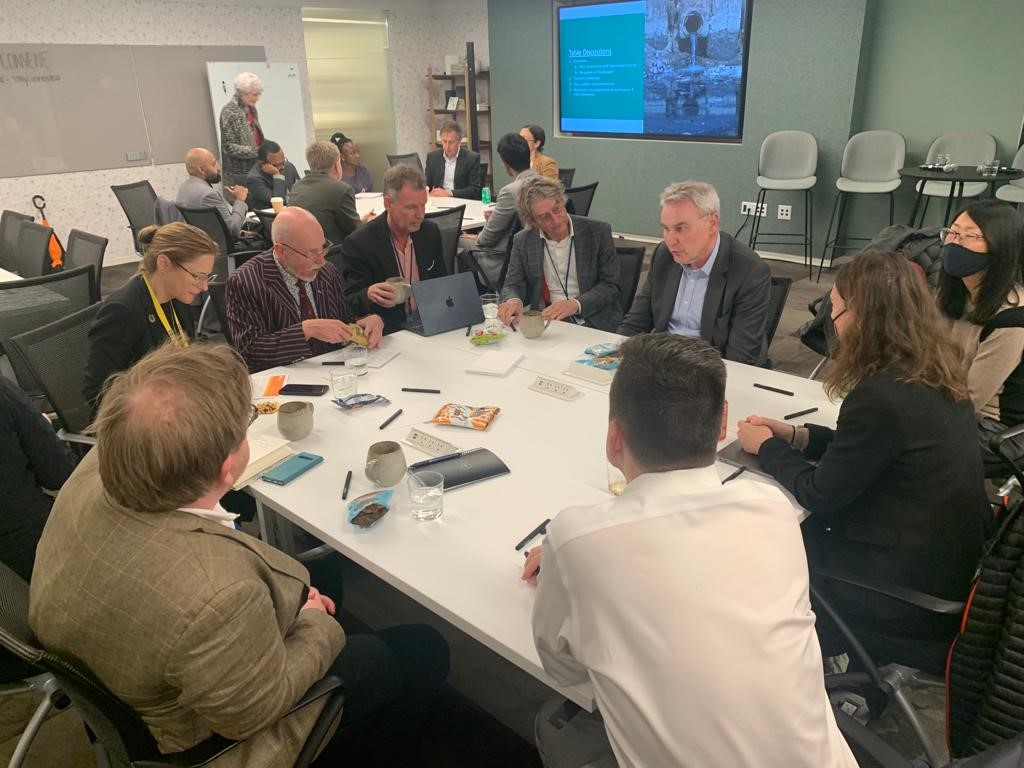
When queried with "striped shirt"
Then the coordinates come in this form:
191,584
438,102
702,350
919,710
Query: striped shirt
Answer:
263,315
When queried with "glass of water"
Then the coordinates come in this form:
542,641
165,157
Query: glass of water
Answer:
343,384
490,305
426,493
355,360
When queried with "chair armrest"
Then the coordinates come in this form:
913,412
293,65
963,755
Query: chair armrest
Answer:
319,689
316,553
815,305
74,437
921,600
864,741
996,441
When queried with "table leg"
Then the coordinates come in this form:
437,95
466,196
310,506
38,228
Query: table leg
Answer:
261,515
949,202
917,202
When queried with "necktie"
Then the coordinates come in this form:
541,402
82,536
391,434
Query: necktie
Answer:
306,310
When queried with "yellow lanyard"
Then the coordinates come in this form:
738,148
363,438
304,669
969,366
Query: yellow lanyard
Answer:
177,334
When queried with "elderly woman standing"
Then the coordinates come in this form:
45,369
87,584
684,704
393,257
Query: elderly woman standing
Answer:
240,132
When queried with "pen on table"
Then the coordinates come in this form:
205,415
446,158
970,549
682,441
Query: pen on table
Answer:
774,389
804,412
424,391
333,362
539,530
734,475
435,460
391,418
348,482
468,329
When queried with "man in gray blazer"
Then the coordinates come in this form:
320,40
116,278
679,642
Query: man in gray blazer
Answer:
197,191
564,265
325,195
703,283
490,246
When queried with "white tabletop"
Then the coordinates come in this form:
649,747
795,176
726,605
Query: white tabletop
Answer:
463,566
6,277
471,219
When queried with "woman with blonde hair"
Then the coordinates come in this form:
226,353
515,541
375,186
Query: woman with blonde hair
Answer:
895,491
152,308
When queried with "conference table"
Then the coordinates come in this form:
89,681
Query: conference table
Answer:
473,218
463,566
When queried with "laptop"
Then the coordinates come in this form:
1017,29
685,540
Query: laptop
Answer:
445,303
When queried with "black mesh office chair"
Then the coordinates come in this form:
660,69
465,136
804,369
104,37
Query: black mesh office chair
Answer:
29,304
118,730
412,158
566,175
266,219
218,299
32,253
776,306
86,250
139,203
56,355
10,225
449,220
631,262
578,199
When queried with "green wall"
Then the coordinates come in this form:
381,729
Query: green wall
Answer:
830,67
802,75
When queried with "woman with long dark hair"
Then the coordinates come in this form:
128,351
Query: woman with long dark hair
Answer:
981,292
539,162
895,491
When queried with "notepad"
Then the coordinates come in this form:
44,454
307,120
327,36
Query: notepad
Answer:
469,467
495,362
264,452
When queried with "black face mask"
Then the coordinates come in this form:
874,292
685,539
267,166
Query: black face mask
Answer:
961,262
212,178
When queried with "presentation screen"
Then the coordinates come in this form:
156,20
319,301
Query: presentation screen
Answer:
653,69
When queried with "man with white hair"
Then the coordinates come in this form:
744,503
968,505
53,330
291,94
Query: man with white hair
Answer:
703,283
197,190
240,132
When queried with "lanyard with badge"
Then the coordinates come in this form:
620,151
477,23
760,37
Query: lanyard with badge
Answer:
177,334
568,265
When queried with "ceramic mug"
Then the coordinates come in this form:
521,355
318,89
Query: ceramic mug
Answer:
533,324
295,419
277,203
385,463
402,289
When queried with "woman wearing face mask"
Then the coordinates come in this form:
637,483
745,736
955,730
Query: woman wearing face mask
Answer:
979,290
895,491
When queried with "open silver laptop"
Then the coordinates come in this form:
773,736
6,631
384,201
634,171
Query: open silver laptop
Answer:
444,304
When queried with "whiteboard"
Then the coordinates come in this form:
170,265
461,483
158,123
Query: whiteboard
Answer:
282,116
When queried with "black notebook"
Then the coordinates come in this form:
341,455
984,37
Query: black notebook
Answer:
469,467
734,454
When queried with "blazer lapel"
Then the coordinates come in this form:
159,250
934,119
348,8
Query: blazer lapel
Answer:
667,293
716,291
419,246
273,280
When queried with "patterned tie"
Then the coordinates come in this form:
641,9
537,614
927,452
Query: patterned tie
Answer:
306,310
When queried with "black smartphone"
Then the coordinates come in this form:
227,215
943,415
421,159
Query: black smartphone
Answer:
304,390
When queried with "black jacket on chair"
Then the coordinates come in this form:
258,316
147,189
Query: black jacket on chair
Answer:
368,257
125,329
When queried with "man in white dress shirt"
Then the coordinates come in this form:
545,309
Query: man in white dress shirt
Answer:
683,602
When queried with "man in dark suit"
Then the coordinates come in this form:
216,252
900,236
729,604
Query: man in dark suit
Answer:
703,283
325,195
453,170
401,243
287,304
564,265
272,175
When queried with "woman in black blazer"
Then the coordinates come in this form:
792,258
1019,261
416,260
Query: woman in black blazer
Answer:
152,307
896,491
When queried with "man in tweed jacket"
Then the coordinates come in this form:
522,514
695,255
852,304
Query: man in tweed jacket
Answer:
266,297
564,265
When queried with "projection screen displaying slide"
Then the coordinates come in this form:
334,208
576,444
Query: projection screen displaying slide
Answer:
653,69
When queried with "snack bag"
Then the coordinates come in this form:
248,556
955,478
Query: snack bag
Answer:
359,337
369,508
456,415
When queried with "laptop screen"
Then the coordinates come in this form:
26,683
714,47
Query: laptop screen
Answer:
446,303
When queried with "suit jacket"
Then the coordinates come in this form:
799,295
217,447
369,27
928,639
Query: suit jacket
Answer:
263,187
331,201
194,625
597,272
368,257
125,329
264,317
503,218
196,193
735,309
467,172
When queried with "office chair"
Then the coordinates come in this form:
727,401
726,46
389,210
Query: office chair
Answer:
579,199
32,253
412,158
218,299
449,220
86,250
566,175
631,262
138,200
10,226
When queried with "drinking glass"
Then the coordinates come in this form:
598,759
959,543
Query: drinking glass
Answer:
343,384
356,360
991,168
426,493
490,305
616,480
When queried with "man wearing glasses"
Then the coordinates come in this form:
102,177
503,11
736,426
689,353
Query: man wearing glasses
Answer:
287,303
564,265
272,175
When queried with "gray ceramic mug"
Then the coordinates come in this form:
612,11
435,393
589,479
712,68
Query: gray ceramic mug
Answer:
532,323
402,289
295,419
385,463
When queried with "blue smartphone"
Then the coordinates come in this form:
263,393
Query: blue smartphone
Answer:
291,468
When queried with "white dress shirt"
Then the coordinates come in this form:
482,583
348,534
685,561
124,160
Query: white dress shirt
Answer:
449,171
693,287
685,603
560,266
216,515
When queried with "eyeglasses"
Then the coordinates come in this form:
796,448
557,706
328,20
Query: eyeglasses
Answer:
556,210
322,253
199,278
254,414
964,237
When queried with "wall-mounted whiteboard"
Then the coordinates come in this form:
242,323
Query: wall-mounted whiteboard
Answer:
280,107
